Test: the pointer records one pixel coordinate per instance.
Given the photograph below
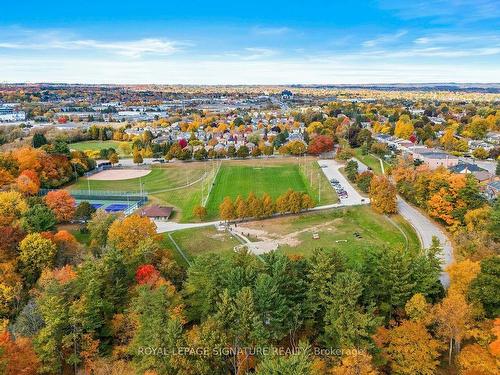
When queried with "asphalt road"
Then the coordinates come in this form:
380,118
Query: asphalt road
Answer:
426,229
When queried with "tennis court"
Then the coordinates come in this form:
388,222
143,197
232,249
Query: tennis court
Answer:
111,206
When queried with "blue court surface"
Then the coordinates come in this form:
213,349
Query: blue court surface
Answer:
111,206
116,207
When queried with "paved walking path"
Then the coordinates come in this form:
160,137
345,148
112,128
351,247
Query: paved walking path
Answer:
426,229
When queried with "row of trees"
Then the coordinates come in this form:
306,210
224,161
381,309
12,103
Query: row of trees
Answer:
255,207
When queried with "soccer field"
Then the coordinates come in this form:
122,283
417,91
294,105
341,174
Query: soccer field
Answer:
274,179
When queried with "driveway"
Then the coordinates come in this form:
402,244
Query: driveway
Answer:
332,171
426,229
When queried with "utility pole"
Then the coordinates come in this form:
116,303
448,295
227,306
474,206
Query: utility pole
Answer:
88,184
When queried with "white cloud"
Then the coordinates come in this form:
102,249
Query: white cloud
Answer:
384,39
130,48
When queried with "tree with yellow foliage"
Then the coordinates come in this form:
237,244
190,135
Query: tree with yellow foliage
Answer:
12,206
474,359
355,361
411,349
462,274
127,233
453,318
383,195
478,219
417,307
404,127
35,254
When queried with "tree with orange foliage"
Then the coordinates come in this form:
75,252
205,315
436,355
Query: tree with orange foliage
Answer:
63,274
474,359
126,233
383,195
67,247
355,362
495,344
28,182
5,177
411,349
320,144
62,204
17,356
29,158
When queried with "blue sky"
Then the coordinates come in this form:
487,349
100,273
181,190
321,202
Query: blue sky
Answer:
257,42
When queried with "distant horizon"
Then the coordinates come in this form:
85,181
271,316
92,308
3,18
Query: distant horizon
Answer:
254,84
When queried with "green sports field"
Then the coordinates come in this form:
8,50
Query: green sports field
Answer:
274,179
185,185
95,146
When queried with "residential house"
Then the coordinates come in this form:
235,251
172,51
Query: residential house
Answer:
463,168
493,190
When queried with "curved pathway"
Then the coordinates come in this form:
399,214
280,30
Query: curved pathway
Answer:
426,229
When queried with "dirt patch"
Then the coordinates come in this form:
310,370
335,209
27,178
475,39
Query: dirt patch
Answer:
119,174
270,241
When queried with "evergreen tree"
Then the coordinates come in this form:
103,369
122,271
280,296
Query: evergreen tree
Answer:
323,267
346,324
388,277
205,280
157,327
39,140
271,306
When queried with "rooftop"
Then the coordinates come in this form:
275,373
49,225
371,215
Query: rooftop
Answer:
156,211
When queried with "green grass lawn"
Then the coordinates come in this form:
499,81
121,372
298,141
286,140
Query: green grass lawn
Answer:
96,146
369,160
274,179
203,240
340,225
158,179
170,176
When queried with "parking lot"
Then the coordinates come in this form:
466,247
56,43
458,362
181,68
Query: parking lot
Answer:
347,194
